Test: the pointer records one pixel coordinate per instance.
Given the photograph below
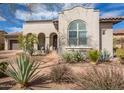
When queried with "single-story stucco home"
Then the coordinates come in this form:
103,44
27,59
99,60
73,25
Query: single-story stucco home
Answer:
77,28
118,37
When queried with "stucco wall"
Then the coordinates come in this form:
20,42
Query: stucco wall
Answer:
39,27
107,38
90,16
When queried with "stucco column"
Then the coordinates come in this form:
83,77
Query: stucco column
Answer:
6,44
35,46
47,43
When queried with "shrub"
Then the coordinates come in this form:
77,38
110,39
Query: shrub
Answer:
3,67
93,55
120,54
27,43
67,56
61,73
77,57
24,72
72,57
106,78
104,56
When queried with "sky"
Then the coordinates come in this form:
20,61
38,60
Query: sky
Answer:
13,16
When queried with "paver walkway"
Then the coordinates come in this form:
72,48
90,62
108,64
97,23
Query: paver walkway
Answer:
48,61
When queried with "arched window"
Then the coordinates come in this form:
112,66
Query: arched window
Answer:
77,33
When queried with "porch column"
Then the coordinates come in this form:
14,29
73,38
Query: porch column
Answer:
35,46
6,44
46,43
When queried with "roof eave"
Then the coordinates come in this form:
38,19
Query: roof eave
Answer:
113,20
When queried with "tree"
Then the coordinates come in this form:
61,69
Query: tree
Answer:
27,43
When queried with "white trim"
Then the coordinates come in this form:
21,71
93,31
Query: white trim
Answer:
78,47
76,30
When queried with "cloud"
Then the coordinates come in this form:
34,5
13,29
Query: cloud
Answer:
71,5
47,11
43,15
112,13
2,19
14,29
23,15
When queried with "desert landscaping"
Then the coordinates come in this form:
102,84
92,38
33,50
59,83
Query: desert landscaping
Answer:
72,71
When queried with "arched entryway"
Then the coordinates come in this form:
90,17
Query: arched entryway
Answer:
53,41
41,41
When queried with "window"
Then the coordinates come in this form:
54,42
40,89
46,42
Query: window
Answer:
77,33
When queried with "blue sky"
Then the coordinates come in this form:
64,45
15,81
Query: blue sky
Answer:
12,16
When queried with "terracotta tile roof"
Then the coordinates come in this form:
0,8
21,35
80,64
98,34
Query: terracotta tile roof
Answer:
118,32
112,19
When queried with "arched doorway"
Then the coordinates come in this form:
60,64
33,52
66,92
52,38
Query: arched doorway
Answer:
53,41
41,41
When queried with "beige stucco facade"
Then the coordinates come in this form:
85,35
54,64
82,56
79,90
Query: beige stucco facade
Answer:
90,17
45,27
54,33
107,37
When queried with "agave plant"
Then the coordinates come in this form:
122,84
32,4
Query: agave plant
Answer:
3,67
24,72
104,56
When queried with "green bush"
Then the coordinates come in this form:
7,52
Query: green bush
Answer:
27,43
93,55
105,78
61,73
25,71
77,57
73,57
120,53
3,67
104,56
67,56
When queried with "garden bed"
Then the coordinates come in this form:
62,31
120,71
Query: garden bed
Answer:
48,62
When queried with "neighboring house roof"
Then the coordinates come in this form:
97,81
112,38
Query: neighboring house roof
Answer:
118,32
13,34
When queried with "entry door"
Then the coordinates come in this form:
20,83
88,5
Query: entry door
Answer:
55,42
